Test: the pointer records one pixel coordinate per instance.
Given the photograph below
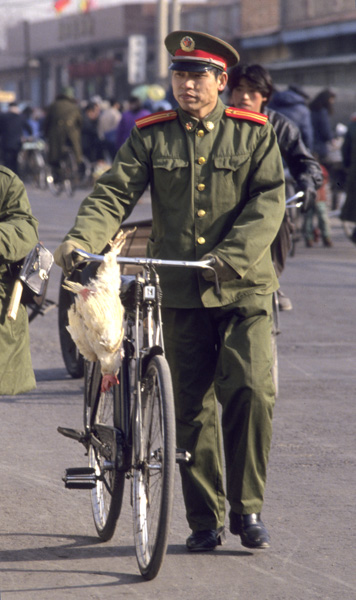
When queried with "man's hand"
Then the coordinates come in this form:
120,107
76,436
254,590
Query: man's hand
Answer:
223,270
63,256
309,196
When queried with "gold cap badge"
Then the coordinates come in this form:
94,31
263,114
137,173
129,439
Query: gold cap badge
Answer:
187,44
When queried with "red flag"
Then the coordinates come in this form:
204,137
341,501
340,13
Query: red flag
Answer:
59,5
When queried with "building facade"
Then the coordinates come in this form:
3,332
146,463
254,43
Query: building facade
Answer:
310,43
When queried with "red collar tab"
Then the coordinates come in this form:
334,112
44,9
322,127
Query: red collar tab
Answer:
158,117
249,115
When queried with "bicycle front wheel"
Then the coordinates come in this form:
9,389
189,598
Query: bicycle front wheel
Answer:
154,467
106,497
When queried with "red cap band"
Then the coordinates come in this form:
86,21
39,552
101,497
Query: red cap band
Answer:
201,54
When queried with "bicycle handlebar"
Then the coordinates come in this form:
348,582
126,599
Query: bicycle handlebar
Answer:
154,262
295,197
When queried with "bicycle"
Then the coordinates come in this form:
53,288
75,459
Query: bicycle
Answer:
66,176
293,208
129,432
31,162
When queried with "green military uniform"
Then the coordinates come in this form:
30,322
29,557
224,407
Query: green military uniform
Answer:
217,186
62,127
18,235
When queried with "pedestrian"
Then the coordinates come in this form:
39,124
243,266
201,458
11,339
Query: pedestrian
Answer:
250,88
92,145
322,107
13,126
62,127
217,188
292,104
18,235
320,211
108,122
135,111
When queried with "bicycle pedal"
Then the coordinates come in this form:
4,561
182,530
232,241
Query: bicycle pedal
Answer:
182,456
74,434
82,478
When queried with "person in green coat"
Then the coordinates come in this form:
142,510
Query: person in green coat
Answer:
63,129
217,188
18,235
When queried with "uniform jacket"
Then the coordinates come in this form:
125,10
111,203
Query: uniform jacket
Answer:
18,235
217,185
62,127
348,211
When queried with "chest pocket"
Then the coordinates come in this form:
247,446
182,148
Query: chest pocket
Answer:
231,163
169,164
171,177
230,176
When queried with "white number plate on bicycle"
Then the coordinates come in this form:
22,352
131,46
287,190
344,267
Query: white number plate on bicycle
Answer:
149,292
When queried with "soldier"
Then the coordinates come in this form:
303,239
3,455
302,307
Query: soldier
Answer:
62,127
18,235
217,188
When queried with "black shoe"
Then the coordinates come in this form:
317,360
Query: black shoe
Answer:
203,541
251,530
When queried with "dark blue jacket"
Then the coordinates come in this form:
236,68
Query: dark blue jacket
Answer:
293,106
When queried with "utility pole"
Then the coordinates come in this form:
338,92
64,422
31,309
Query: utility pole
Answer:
162,32
175,17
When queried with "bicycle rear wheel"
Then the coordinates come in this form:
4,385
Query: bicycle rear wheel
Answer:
153,474
106,497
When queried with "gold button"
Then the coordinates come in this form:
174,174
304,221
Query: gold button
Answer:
201,240
200,132
201,160
209,125
201,187
201,213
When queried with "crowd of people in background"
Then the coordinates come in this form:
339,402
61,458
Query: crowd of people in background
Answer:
98,127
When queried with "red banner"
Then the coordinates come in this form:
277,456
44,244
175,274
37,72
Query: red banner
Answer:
59,5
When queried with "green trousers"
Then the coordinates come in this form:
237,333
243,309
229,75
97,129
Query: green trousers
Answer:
222,354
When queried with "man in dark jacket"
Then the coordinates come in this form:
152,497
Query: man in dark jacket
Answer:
250,88
12,126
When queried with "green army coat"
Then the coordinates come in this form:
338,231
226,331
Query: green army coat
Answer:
18,235
217,186
62,127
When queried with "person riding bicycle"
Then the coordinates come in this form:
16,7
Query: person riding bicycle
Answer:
62,128
251,87
217,187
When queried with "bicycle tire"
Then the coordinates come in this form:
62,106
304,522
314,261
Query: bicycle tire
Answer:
72,358
54,187
348,227
154,467
106,497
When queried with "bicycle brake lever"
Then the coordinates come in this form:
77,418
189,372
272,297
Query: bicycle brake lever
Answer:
209,265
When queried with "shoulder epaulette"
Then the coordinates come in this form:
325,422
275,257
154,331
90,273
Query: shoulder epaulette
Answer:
243,113
158,117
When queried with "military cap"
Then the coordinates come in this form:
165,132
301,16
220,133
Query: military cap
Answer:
197,51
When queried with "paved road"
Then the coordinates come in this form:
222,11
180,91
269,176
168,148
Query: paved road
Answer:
48,546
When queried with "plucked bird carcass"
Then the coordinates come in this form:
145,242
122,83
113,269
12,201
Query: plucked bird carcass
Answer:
96,316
